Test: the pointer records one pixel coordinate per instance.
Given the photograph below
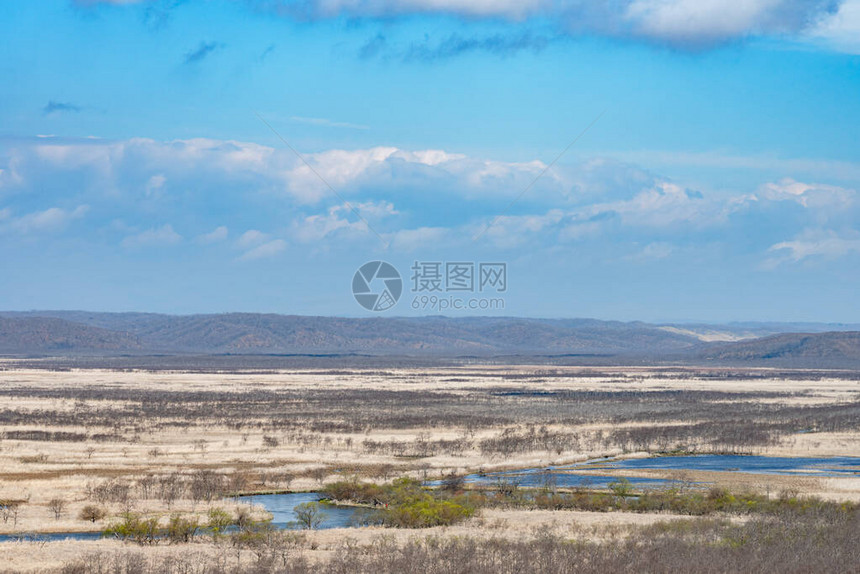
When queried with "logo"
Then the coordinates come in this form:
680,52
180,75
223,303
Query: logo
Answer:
377,286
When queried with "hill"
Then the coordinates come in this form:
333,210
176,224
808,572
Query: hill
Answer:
791,346
69,333
47,334
250,333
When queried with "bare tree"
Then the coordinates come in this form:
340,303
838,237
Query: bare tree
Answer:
9,509
57,506
206,485
287,479
319,474
170,488
239,482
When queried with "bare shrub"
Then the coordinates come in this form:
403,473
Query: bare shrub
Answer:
92,513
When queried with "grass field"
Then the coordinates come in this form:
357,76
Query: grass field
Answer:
160,444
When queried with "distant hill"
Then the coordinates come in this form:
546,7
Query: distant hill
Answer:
46,334
834,345
737,331
112,334
249,333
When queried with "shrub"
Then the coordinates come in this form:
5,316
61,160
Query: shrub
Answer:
181,529
219,520
92,513
426,511
453,482
309,515
621,487
135,528
352,490
406,503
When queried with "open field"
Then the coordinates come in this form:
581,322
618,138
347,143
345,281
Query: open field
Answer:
158,443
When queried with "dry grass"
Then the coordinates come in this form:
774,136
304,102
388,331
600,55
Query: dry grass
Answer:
296,430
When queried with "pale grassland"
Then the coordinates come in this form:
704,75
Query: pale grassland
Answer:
321,544
296,430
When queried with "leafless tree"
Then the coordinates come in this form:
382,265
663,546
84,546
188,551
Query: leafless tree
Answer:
9,509
57,506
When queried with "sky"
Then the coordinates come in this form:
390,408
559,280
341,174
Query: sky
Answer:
655,160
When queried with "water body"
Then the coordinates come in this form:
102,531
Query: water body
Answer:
561,477
832,466
568,476
280,505
537,477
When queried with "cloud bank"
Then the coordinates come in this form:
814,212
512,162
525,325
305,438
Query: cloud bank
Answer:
157,193
691,24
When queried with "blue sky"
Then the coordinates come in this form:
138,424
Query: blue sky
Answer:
719,182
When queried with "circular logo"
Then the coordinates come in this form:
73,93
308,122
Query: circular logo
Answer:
377,286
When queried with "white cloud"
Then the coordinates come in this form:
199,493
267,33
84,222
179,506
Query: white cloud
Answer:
250,238
652,252
660,206
315,227
681,23
577,230
269,249
420,238
214,236
717,159
142,167
665,204
812,195
155,185
840,30
512,230
49,220
387,8
693,23
394,167
593,199
815,243
337,220
337,168
708,21
155,237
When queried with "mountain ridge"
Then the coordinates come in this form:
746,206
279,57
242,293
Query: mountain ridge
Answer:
99,333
